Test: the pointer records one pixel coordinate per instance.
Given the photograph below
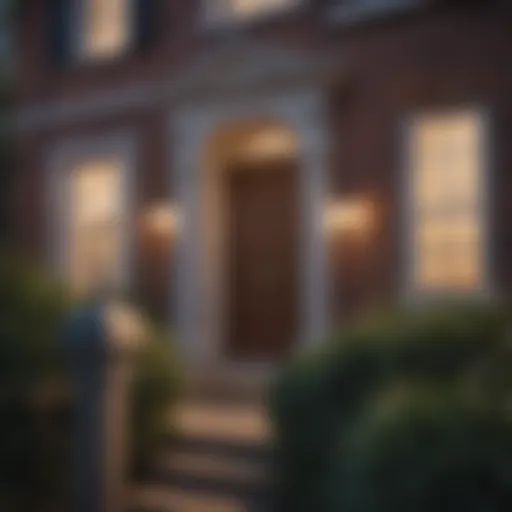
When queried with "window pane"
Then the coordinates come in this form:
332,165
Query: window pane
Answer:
446,209
95,224
106,27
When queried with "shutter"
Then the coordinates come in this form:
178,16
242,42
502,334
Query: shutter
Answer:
146,23
58,23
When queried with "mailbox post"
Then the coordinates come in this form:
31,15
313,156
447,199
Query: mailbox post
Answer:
101,340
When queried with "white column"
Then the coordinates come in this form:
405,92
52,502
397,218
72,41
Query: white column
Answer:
186,278
314,171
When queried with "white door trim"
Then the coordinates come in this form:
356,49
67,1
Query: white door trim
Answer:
304,111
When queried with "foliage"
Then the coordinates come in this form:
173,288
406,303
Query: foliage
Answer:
34,392
155,387
6,101
31,307
339,436
425,450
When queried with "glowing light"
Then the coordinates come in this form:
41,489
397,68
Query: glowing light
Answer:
255,7
124,325
106,30
446,170
162,219
222,10
270,143
95,225
354,215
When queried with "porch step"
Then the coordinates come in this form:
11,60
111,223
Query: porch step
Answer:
186,466
220,461
204,420
241,384
233,448
163,499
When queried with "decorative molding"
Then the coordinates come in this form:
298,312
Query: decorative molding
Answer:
79,54
248,64
226,73
57,113
358,11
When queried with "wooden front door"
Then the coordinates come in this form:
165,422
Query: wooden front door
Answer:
262,260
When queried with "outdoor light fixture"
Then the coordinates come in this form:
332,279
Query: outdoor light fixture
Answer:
124,325
352,215
162,219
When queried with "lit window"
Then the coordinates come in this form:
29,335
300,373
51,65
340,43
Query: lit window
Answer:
225,10
447,212
106,27
95,225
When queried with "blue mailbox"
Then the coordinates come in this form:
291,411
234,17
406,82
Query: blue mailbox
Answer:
100,339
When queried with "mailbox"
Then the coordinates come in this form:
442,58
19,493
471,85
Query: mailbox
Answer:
101,339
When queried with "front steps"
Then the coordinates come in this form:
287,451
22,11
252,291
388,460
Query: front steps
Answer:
220,462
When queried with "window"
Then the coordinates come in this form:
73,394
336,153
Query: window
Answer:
446,200
95,225
105,28
92,30
229,10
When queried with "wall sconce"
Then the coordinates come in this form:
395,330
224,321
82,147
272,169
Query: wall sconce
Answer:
162,219
353,215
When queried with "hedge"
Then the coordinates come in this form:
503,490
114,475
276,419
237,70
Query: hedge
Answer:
34,391
350,415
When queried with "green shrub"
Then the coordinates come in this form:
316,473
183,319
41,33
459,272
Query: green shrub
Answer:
428,451
325,395
34,392
156,387
31,309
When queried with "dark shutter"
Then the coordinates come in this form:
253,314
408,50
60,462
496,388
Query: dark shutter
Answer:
58,23
146,23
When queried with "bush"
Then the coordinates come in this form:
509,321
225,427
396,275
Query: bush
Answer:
34,393
156,387
323,398
428,451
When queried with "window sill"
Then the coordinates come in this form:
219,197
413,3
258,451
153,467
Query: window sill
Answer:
425,298
100,60
94,64
359,13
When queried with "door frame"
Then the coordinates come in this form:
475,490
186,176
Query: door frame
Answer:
193,312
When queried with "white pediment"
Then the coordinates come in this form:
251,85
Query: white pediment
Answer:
246,65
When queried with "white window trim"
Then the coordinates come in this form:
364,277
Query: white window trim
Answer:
78,55
364,10
213,22
60,161
411,294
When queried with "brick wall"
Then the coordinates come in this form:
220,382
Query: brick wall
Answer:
442,57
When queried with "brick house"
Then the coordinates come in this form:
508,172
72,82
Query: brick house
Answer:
260,170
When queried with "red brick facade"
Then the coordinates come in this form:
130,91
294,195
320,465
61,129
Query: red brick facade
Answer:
431,58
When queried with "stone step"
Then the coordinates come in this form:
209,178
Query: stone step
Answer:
218,460
242,423
237,383
157,498
213,473
253,449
